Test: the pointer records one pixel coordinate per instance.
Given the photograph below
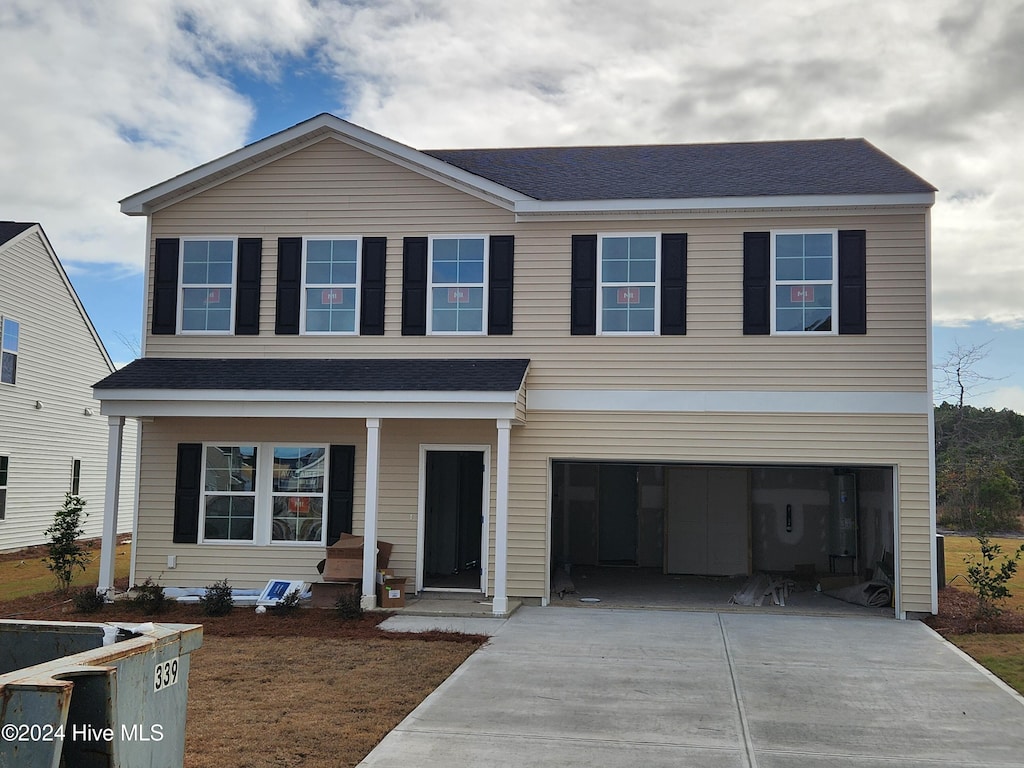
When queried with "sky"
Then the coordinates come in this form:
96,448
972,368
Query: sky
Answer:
104,98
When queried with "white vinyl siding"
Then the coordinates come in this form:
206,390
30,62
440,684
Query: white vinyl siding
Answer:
59,362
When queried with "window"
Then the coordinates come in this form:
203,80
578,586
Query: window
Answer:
4,466
76,476
298,494
804,285
457,276
330,270
264,494
9,332
628,276
207,285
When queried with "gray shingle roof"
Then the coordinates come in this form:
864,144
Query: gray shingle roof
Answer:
682,171
11,229
320,375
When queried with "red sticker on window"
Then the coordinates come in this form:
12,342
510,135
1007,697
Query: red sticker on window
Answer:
332,296
801,294
213,296
629,296
458,295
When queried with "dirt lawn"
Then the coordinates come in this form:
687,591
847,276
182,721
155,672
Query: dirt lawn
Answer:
272,691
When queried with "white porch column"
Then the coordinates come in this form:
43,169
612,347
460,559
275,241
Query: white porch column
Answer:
369,599
500,602
108,546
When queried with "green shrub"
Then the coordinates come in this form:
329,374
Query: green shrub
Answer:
349,606
989,580
66,553
217,600
288,604
87,600
149,597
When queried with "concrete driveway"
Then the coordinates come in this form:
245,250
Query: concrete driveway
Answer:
568,687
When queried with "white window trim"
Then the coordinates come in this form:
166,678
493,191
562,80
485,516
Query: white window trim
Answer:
263,506
358,285
834,282
181,284
431,285
601,284
4,350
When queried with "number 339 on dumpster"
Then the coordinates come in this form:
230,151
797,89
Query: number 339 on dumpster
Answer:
166,674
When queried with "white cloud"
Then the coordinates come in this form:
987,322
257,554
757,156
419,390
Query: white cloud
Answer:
1011,397
104,98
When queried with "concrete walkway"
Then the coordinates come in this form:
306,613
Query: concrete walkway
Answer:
567,687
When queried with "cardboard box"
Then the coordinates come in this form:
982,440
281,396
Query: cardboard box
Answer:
345,558
327,594
383,574
391,594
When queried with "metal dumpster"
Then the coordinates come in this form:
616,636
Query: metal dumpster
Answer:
86,695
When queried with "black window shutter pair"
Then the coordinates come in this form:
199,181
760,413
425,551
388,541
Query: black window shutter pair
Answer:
757,282
289,286
500,269
247,281
189,485
583,296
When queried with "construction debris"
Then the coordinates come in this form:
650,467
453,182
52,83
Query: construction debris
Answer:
761,586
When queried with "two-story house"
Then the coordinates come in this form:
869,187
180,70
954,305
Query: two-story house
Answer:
53,439
699,359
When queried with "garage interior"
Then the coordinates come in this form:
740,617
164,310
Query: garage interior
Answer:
696,535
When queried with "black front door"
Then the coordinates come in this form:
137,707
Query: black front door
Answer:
453,519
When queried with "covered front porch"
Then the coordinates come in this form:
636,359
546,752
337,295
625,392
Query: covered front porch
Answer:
393,414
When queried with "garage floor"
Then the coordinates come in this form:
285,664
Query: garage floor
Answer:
561,687
650,588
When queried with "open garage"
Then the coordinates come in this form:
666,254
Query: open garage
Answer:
618,526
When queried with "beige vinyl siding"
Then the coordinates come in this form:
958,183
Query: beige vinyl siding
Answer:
58,362
249,566
897,441
330,188
892,441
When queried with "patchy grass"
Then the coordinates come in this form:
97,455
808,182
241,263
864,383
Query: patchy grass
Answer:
24,573
1003,655
958,547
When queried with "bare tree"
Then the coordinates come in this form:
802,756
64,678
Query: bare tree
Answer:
958,372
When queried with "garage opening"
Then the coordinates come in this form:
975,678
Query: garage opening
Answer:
670,534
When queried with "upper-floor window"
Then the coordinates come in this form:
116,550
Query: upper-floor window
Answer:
456,295
330,276
9,332
628,274
804,285
207,285
264,494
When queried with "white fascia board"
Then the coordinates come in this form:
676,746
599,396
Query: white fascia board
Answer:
302,396
531,208
316,129
308,409
693,401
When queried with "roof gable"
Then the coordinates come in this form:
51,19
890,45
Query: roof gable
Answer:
11,229
544,180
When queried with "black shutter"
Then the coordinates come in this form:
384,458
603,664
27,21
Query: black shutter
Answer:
247,304
188,486
583,298
289,279
414,286
853,316
499,285
165,286
340,490
673,285
756,283
371,300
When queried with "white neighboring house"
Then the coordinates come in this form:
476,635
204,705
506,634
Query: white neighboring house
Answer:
52,437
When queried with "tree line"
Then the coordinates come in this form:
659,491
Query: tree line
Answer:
979,467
